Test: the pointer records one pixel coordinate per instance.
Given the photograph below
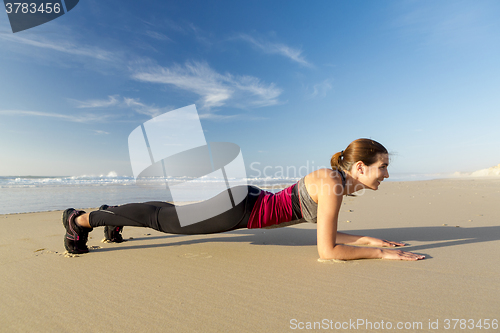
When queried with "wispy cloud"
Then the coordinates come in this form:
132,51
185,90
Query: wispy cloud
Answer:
61,46
157,35
82,118
276,48
97,103
136,105
201,36
149,110
214,88
116,101
214,116
99,132
320,90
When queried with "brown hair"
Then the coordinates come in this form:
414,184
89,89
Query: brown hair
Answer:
364,150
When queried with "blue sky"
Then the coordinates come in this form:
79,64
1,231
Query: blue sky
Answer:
290,82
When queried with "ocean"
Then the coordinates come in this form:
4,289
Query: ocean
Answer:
37,194
26,194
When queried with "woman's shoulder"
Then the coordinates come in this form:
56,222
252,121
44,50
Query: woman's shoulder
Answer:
324,175
325,182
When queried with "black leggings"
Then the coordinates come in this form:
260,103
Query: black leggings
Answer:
162,216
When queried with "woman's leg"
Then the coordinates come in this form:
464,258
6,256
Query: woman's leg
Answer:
135,214
231,219
163,216
160,216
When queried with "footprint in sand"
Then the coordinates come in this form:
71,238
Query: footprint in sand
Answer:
203,255
45,251
65,254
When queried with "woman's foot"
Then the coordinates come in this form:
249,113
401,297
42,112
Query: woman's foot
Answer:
111,234
75,240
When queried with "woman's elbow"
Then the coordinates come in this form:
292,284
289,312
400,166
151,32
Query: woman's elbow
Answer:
326,252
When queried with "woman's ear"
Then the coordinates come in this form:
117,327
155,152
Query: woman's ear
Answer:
359,167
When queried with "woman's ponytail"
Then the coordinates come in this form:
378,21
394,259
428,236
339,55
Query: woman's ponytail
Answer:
336,161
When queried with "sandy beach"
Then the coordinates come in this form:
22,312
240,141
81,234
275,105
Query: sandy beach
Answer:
266,280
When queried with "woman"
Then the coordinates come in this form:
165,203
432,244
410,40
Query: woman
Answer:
316,198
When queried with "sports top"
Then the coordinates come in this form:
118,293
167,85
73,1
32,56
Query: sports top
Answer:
291,205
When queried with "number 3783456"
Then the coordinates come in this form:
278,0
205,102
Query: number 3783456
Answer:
32,8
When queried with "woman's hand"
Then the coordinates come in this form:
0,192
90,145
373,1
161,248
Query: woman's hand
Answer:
400,255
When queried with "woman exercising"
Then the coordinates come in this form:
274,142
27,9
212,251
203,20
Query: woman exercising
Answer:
315,198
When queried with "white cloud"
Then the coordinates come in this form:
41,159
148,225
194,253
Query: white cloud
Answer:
321,89
65,47
277,48
215,89
157,35
96,103
150,110
123,102
214,116
99,132
83,118
113,101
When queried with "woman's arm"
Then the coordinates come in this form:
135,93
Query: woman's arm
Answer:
349,239
329,247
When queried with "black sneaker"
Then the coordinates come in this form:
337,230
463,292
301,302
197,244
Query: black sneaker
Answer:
112,234
75,240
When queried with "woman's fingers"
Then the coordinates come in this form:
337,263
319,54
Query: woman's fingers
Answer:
412,256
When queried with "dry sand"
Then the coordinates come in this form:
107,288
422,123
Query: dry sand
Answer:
264,280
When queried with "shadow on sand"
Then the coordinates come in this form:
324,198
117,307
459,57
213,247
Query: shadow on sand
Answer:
441,236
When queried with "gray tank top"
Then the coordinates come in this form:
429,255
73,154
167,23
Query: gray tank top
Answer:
308,206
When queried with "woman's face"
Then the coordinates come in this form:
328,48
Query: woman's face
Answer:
374,174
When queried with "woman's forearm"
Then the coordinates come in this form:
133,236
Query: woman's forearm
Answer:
347,252
343,238
365,240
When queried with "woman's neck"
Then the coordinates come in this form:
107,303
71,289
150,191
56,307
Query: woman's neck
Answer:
352,184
